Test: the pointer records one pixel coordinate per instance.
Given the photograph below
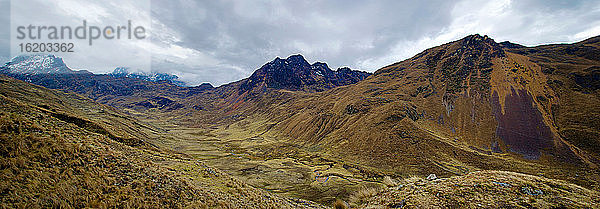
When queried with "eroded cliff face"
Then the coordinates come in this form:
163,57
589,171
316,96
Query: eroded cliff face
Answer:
523,122
521,126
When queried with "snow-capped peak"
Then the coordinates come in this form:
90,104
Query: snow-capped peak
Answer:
37,64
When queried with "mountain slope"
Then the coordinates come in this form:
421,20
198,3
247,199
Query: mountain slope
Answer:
134,91
62,150
463,106
152,95
485,189
122,92
277,81
573,73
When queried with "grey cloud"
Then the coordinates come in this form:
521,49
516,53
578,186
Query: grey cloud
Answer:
223,41
359,34
248,33
555,21
4,31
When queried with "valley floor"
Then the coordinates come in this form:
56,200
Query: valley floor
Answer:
62,150
248,152
266,162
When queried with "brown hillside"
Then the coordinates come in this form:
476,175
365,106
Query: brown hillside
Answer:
485,189
573,74
452,109
62,150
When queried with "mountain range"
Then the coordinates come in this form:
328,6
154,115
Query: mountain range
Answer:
501,123
154,77
41,64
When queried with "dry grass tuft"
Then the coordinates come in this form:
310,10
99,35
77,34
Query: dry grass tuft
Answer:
362,195
340,204
388,181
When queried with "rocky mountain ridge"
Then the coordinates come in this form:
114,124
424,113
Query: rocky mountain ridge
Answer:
295,73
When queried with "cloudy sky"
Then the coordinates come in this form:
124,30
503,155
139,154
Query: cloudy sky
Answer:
223,41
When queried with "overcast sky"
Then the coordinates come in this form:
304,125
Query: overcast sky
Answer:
223,41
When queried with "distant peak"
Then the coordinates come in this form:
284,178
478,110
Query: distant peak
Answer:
296,57
121,70
21,58
344,69
295,73
510,45
478,44
477,38
206,85
320,65
291,58
37,64
152,76
477,35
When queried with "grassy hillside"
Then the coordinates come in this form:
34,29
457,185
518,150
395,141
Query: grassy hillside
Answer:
573,72
474,112
464,106
485,189
62,150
